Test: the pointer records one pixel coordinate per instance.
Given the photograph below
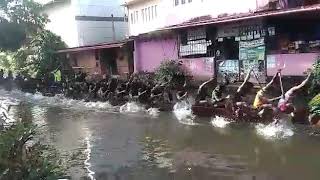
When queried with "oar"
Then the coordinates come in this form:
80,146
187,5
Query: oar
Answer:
281,85
255,75
280,79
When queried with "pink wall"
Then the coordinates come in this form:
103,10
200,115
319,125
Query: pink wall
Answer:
200,68
150,53
294,64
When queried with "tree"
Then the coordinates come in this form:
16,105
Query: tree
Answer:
34,48
45,58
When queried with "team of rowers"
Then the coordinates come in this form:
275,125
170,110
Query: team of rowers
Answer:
293,102
164,95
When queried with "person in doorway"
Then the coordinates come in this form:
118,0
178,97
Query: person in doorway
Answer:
294,102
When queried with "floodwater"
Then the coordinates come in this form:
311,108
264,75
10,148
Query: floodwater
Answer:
98,141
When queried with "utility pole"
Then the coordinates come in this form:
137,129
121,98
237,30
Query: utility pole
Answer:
113,29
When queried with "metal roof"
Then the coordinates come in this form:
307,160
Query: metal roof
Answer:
92,47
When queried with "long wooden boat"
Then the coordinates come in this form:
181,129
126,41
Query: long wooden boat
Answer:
211,111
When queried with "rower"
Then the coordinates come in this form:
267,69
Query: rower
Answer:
261,100
203,91
295,103
244,88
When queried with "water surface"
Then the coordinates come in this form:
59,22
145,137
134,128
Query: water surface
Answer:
101,142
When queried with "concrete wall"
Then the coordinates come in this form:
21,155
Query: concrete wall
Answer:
169,14
294,64
100,31
200,68
94,25
95,32
150,53
86,60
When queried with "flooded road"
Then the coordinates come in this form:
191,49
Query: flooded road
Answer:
111,143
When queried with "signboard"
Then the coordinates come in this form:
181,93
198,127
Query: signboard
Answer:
252,55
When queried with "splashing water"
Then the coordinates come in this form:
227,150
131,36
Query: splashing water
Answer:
274,130
219,122
153,112
183,112
131,107
57,100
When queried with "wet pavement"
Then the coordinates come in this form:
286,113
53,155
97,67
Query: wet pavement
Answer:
98,141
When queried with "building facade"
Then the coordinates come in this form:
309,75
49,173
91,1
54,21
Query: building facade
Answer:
84,22
273,36
149,15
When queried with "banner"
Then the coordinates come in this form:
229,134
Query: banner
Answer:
252,56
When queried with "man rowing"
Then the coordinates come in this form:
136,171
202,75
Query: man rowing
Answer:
295,102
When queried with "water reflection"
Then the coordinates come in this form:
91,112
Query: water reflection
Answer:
99,143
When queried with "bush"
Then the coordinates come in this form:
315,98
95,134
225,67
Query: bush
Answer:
23,158
315,105
173,72
315,83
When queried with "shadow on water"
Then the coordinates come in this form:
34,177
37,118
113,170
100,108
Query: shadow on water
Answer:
98,141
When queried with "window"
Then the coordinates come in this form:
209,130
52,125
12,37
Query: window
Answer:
183,1
146,13
152,12
155,11
176,2
189,1
136,17
149,14
142,15
194,43
131,15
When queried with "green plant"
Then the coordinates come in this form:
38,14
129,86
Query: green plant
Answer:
315,83
24,158
314,105
171,71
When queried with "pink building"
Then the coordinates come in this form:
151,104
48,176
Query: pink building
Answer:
211,46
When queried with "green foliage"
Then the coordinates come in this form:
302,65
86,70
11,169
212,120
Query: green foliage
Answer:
44,46
315,83
314,105
25,12
22,158
171,71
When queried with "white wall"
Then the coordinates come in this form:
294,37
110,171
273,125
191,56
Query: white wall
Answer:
103,8
86,32
142,26
95,32
169,14
62,22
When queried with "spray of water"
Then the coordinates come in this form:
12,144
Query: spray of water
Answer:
276,130
219,122
58,100
131,107
153,112
183,112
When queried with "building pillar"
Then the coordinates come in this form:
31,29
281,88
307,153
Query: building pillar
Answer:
135,57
